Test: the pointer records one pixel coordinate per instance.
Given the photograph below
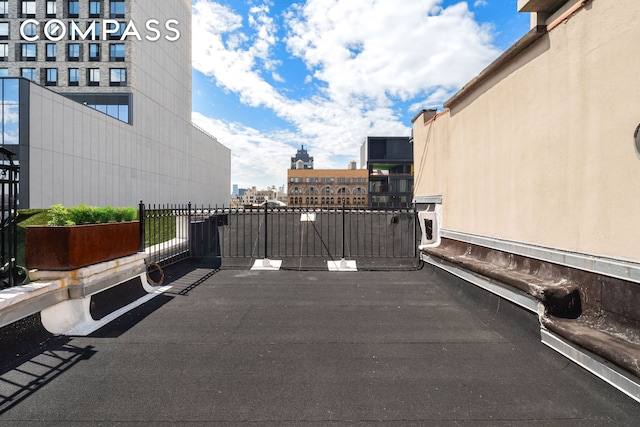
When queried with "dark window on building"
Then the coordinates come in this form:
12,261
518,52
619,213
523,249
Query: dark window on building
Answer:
119,27
115,105
52,51
4,9
93,77
74,76
50,76
95,9
97,30
117,52
73,52
94,52
73,9
73,33
28,9
28,52
4,52
4,31
51,9
28,73
118,77
116,9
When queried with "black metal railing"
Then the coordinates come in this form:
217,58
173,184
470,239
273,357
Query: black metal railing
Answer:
173,232
165,232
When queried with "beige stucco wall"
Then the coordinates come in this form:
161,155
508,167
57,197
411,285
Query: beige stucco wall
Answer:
542,152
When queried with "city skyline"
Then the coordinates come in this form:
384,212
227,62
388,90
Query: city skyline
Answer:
269,78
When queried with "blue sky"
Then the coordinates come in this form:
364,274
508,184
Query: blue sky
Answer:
270,76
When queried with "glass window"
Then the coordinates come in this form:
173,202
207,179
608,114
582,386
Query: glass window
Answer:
117,35
116,9
4,52
52,51
90,32
96,30
28,9
28,73
28,52
4,30
74,76
4,9
93,76
51,77
30,29
74,52
94,52
4,72
51,9
73,33
118,77
116,52
95,8
10,121
123,113
73,9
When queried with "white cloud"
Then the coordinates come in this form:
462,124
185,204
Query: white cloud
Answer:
254,154
481,3
366,55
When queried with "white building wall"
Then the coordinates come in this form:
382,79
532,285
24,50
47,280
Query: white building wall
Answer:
80,155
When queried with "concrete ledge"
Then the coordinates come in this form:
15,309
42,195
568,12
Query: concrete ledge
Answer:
22,301
53,287
95,278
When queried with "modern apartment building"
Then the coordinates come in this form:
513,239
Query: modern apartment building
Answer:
389,162
97,97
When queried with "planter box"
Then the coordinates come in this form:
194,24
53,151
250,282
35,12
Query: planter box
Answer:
73,247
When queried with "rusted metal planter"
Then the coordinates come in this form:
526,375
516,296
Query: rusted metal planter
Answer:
72,247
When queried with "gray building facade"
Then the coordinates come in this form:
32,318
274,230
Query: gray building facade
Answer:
390,164
112,123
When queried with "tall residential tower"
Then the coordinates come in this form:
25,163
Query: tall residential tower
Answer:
97,97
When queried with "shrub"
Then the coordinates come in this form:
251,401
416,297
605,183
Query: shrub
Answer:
59,216
83,214
125,214
106,214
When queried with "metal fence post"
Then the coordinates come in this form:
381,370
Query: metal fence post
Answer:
189,237
266,228
141,218
343,228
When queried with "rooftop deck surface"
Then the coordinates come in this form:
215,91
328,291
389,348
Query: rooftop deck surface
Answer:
308,348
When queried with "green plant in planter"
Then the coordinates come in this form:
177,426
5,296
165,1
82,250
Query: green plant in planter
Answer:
83,214
125,214
106,214
59,216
